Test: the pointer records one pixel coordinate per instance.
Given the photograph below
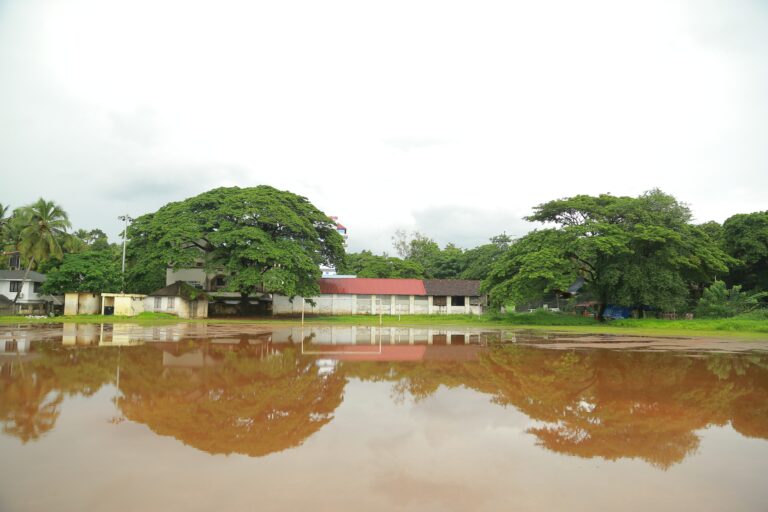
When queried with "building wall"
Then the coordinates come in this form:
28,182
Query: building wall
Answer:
194,276
82,303
181,307
129,305
337,304
27,291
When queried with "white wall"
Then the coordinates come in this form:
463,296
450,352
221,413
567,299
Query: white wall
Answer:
337,304
27,290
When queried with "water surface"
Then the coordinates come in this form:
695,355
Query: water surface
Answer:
232,417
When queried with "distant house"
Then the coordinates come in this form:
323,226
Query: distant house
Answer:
31,299
361,296
180,299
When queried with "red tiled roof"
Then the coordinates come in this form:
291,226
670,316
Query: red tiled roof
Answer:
369,286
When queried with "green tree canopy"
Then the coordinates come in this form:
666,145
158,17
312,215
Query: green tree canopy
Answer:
479,261
367,264
745,237
418,248
263,237
631,251
43,229
92,271
718,301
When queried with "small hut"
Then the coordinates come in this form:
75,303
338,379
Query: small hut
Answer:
179,299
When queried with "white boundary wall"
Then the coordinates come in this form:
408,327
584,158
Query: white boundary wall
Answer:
342,304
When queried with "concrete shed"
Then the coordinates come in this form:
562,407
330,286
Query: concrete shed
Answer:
122,304
179,299
82,303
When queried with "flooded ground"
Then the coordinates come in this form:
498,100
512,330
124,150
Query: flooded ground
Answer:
122,417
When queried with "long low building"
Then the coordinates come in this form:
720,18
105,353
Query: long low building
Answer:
364,296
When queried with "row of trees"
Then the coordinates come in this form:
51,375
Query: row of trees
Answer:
636,251
74,261
640,252
420,257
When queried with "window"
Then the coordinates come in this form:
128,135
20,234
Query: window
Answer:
457,300
171,302
15,286
439,300
14,261
37,286
158,302
12,346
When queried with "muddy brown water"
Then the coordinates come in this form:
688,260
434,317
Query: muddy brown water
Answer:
121,417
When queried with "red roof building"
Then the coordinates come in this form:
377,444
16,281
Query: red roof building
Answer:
370,286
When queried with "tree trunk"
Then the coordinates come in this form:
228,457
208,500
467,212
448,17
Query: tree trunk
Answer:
244,304
601,311
23,279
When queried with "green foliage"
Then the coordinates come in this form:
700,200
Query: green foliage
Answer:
745,237
535,265
479,261
44,229
718,301
418,248
263,237
633,251
93,271
151,315
367,264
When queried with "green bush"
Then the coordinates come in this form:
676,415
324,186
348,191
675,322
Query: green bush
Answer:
720,302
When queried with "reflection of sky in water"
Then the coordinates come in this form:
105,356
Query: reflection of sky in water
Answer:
507,428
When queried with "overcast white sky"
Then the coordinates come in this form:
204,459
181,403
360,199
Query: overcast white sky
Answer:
451,117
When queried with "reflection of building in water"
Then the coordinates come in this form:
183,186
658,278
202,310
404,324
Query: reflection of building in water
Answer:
196,359
128,334
14,346
359,335
81,334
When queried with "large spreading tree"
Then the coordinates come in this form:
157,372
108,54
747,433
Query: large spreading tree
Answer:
640,251
264,238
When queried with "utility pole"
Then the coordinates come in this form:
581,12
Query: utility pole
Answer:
125,218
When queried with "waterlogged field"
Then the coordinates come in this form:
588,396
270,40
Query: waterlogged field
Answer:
195,416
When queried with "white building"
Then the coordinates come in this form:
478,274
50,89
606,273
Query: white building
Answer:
363,296
31,299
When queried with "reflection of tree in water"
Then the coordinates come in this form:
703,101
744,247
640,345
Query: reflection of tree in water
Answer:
31,391
29,406
240,403
609,404
603,403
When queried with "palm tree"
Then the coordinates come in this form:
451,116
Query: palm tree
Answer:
3,219
45,224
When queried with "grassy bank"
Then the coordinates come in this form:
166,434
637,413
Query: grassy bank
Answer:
752,326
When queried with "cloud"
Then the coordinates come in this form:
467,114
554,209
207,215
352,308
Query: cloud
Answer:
411,143
138,126
455,128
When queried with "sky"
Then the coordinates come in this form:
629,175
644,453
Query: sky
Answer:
453,118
